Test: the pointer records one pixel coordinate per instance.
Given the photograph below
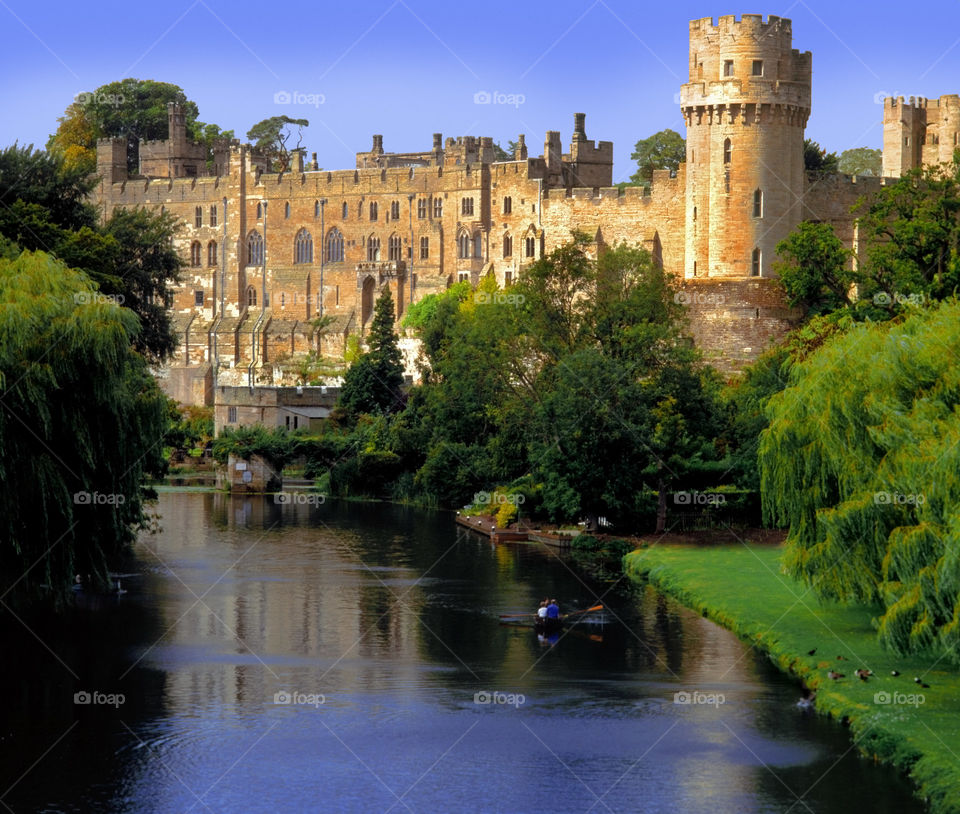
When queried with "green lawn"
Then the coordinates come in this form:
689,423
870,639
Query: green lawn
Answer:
742,588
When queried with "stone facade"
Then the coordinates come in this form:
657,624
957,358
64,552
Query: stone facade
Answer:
268,253
919,132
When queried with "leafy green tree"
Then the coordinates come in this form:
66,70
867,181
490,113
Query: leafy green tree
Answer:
271,136
912,231
815,268
81,427
665,150
373,383
75,139
861,161
861,460
817,160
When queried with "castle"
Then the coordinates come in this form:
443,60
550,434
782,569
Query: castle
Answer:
267,253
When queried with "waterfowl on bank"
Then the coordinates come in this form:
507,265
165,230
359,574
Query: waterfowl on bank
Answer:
863,674
835,675
811,652
894,672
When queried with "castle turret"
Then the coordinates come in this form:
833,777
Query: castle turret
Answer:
112,160
746,106
520,151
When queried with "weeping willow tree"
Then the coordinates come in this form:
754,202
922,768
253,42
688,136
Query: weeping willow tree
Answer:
81,421
862,460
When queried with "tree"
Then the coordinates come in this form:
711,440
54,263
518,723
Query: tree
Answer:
82,426
373,383
815,270
861,460
817,160
665,150
499,154
271,136
861,161
75,139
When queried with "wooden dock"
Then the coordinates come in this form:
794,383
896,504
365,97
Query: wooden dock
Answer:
486,524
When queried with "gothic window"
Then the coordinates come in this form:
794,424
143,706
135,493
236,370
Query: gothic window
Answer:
303,247
756,263
373,249
198,217
394,248
758,203
438,207
334,246
195,251
507,246
726,151
463,245
213,215
251,296
507,205
212,253
374,210
395,210
254,249
421,208
530,247
424,248
466,206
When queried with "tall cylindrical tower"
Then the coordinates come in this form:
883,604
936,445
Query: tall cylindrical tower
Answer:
745,106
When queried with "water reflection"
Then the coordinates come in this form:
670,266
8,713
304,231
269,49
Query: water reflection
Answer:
381,625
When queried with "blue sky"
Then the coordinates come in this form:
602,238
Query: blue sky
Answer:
408,68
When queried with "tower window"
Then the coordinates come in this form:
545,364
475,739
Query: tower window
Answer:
530,247
195,252
758,67
254,249
344,210
198,217
466,206
726,151
507,205
373,210
758,203
438,207
756,263
395,210
728,67
421,208
424,248
507,246
213,215
212,253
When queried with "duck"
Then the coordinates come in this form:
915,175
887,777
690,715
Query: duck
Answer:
863,674
811,652
835,675
894,673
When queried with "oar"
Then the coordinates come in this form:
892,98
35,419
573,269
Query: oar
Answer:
585,610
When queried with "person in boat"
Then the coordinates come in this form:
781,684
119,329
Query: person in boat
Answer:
541,616
552,621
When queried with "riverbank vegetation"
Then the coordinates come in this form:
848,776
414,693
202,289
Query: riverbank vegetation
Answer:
892,718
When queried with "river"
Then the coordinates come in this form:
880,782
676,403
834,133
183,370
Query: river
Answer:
349,657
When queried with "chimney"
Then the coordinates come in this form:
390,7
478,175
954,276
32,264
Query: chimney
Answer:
377,144
553,152
437,142
520,152
579,133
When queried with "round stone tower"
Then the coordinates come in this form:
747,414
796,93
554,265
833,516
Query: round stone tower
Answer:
745,106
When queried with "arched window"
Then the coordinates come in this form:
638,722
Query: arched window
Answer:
374,209
212,253
758,203
373,249
756,266
254,249
394,210
251,296
195,252
463,245
345,210
530,246
507,246
394,248
259,210
198,216
213,214
334,246
726,151
424,248
316,209
303,247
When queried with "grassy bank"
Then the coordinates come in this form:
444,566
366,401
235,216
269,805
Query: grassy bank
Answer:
741,587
